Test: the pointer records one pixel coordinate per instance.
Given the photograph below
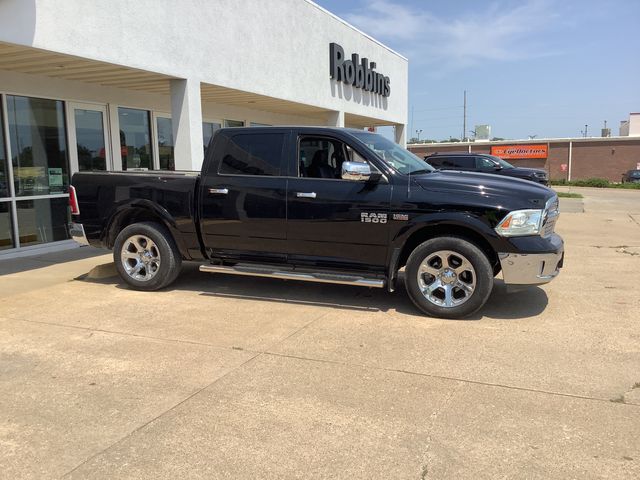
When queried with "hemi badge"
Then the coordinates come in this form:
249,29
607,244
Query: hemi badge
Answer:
401,216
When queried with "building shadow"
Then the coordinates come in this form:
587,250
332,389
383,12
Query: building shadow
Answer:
33,261
501,305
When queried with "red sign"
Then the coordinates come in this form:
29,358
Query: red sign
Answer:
563,167
519,151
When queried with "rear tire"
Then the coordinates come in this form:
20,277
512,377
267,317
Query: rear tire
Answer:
146,256
448,277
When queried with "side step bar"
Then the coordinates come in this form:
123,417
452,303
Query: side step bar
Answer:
303,275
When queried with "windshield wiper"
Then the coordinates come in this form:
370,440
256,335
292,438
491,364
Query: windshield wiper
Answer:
418,172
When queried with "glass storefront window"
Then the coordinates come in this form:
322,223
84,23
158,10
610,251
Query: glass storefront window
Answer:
43,220
90,140
38,145
135,138
6,230
4,169
165,143
233,123
208,129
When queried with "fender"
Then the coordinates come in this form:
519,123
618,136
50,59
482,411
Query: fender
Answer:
122,209
462,220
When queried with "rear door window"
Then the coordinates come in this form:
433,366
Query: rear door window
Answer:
254,154
466,163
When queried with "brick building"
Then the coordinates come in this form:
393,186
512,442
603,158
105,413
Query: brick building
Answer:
563,158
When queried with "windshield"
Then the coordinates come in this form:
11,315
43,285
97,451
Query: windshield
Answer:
503,163
393,154
634,173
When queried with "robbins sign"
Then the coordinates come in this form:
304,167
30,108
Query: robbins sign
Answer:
356,72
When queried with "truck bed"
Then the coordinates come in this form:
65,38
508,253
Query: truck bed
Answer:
108,196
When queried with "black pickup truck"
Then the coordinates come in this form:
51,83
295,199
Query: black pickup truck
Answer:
325,205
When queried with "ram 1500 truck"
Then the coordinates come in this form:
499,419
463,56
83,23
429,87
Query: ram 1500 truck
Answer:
325,205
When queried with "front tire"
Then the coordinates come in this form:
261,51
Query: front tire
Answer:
146,256
448,277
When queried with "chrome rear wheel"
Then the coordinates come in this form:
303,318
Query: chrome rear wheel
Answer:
140,257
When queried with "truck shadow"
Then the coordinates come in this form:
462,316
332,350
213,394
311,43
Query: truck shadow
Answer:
523,304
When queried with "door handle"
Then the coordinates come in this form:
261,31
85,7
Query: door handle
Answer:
306,194
218,191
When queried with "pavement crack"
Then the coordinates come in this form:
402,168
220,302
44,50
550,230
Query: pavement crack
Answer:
137,335
157,417
633,219
453,379
184,400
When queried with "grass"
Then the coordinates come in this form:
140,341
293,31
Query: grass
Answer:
596,183
569,195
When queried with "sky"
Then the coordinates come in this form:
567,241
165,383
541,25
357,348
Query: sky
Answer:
543,68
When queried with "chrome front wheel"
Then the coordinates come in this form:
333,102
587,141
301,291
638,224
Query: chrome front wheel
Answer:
140,257
446,278
449,277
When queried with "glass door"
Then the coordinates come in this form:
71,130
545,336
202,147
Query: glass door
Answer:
88,137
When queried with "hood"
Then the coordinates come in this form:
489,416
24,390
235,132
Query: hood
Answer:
523,171
509,192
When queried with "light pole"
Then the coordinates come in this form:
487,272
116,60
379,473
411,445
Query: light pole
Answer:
418,132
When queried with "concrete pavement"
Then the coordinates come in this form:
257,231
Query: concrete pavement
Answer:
231,377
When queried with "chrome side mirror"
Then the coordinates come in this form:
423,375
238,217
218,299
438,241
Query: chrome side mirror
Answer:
356,171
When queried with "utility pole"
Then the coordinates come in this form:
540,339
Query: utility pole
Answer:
412,108
586,128
464,118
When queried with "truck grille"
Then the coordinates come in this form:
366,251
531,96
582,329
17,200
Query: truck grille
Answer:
551,214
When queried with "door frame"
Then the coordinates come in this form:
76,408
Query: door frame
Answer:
71,132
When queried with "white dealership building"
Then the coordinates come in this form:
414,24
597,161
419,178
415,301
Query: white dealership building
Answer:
120,84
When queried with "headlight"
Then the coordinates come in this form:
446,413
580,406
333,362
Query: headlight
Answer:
520,222
540,174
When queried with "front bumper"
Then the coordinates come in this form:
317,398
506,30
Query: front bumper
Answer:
533,268
76,231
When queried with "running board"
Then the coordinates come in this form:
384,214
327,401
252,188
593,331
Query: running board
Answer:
302,275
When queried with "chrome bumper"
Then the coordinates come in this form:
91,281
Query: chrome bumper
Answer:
76,230
530,269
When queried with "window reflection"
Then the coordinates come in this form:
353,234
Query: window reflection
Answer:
6,235
38,145
233,123
90,140
208,129
43,220
4,176
165,143
135,138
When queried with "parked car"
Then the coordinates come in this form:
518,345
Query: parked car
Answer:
324,205
632,176
481,162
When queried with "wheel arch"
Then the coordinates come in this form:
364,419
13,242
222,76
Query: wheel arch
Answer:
424,233
137,212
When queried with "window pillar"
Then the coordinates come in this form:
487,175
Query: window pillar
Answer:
186,119
400,135
336,119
